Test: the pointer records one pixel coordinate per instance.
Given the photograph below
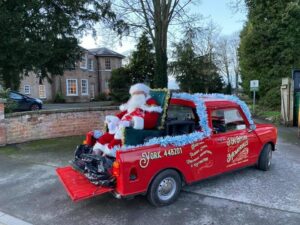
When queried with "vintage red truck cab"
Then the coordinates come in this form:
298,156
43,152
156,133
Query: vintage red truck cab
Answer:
200,136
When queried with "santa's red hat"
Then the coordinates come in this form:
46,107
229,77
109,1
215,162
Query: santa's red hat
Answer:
139,87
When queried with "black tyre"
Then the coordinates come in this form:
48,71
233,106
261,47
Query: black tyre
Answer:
165,188
34,107
264,161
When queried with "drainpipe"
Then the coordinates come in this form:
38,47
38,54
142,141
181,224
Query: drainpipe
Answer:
98,75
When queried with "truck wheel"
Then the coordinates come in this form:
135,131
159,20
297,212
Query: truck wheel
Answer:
165,188
264,161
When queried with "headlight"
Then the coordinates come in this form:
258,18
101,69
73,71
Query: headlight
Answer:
39,101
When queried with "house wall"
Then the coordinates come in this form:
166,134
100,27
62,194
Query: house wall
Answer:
34,83
60,84
98,80
105,74
27,126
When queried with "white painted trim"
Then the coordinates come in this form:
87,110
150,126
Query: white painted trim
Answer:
109,64
92,66
27,93
85,64
67,88
87,87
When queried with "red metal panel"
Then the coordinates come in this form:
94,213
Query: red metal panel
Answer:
77,185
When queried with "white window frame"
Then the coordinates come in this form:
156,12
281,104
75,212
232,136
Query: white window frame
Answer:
92,64
109,64
106,84
45,95
87,87
67,87
85,62
29,89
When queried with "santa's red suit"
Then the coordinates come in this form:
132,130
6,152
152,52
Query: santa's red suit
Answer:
144,117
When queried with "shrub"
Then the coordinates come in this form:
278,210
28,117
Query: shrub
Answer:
10,105
271,99
101,97
119,84
59,98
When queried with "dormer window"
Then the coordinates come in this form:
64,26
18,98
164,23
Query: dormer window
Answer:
83,61
107,64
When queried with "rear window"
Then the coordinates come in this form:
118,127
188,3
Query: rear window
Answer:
178,112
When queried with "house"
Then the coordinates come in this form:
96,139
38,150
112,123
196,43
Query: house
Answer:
84,82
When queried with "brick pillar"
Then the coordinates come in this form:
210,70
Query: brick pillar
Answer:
2,123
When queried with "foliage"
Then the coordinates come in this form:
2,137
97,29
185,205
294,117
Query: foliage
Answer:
119,84
10,105
264,112
59,98
195,73
40,36
270,46
102,97
271,99
228,89
142,62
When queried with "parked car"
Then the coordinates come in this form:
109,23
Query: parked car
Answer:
24,103
203,136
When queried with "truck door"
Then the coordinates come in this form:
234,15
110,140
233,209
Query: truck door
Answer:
235,145
199,157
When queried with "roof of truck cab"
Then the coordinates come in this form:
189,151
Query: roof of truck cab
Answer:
209,102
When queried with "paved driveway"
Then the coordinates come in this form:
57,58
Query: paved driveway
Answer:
31,191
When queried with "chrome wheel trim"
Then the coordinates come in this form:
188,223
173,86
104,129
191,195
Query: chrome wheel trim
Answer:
269,157
166,188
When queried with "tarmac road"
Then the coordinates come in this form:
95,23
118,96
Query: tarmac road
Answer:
31,191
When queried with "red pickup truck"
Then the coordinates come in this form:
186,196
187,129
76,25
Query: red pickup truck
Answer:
202,136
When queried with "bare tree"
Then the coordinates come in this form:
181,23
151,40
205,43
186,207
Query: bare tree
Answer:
233,46
206,44
227,58
155,17
224,58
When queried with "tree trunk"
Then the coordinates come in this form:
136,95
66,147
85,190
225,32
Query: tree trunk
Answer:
161,66
236,82
160,43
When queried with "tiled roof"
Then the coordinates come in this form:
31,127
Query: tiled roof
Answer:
105,52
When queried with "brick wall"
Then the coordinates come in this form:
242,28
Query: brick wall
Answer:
27,126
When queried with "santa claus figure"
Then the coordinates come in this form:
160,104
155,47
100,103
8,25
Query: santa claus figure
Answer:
140,112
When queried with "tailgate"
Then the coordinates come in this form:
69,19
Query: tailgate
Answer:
77,185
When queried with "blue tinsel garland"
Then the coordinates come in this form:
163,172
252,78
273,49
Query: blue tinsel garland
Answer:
185,139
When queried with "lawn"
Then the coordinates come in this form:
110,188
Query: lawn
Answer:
265,113
59,150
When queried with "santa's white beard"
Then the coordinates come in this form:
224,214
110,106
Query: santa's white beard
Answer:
136,101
